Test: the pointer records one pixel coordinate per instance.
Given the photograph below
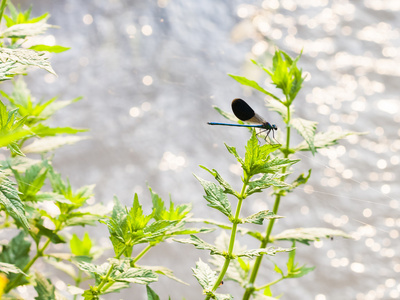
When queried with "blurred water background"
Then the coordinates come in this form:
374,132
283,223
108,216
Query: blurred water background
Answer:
150,72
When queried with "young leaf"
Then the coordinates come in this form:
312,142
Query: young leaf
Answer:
10,268
307,235
135,275
227,187
301,179
281,109
81,247
27,29
16,253
326,139
204,275
44,288
47,144
30,183
251,83
200,244
226,115
166,272
53,49
151,295
216,197
26,57
233,151
266,181
268,251
306,129
11,202
259,217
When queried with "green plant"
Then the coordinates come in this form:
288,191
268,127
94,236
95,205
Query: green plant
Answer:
38,204
42,212
266,166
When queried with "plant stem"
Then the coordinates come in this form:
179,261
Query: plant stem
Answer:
235,222
39,253
143,252
250,289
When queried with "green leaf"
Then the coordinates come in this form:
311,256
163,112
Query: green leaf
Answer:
216,197
161,213
135,275
200,244
233,151
151,295
268,251
166,272
326,139
257,158
307,235
11,202
10,268
301,179
30,183
25,57
281,109
16,253
24,30
306,129
259,217
44,288
286,75
53,49
42,130
227,187
205,275
226,115
266,181
48,144
81,247
251,83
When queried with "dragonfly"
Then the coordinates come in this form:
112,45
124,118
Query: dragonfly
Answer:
245,113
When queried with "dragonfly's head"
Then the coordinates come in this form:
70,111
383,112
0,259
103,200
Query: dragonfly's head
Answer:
274,127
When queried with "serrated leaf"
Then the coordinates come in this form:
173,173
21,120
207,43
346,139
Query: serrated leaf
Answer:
10,268
251,83
307,235
16,253
326,139
44,288
233,151
9,198
227,187
266,181
204,275
166,272
280,108
26,57
27,29
80,247
306,129
135,275
200,244
301,179
216,197
259,217
47,144
267,251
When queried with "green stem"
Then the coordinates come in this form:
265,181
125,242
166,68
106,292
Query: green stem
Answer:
269,284
143,252
14,283
235,222
250,287
2,7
